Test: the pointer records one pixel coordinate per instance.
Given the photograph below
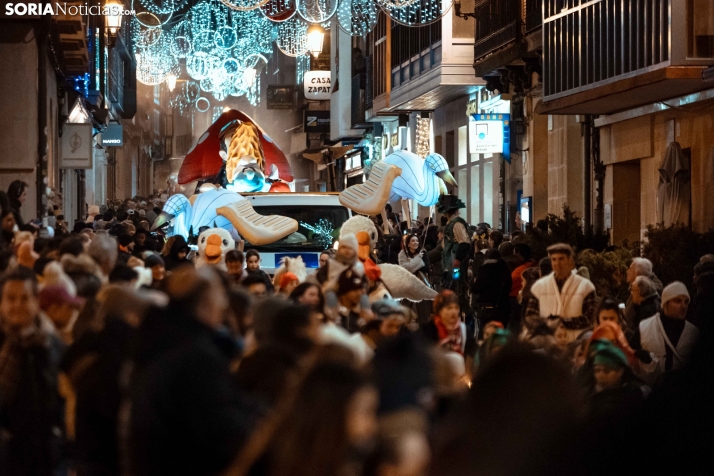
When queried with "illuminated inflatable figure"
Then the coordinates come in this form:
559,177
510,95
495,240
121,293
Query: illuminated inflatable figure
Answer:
401,174
421,179
237,154
221,208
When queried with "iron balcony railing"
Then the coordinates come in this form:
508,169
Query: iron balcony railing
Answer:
599,40
500,23
533,15
497,25
590,43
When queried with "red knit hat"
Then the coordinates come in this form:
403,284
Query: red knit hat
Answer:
287,278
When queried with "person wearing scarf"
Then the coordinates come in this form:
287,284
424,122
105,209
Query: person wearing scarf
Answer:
447,330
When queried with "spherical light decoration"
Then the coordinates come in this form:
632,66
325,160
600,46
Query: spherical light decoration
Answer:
180,40
244,5
154,63
419,12
202,104
148,18
225,37
142,36
317,11
200,64
292,37
279,10
205,19
357,17
163,6
394,3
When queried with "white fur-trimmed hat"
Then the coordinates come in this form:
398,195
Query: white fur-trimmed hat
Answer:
674,289
349,240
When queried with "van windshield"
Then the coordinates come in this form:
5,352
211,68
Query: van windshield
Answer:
317,230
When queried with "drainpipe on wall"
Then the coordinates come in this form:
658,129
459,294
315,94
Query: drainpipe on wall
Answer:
599,169
42,34
587,171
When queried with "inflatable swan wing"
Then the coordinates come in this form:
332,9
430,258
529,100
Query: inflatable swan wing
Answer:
404,285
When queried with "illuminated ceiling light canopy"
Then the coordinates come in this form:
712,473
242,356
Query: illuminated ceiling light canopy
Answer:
315,38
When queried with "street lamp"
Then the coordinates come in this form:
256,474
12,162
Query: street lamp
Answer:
171,82
249,75
315,37
112,17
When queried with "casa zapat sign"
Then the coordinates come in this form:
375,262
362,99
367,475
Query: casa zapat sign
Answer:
318,85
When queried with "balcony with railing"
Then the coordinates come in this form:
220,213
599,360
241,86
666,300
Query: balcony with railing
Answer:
507,31
603,56
497,25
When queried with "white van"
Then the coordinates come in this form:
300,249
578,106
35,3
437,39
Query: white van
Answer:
319,215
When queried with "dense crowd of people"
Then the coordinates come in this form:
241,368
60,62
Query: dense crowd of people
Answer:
119,356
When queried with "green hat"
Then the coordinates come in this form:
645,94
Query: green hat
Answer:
609,355
449,202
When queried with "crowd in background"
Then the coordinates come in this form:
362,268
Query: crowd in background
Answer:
118,356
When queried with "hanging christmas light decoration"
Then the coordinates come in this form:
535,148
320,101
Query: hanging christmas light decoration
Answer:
423,131
244,5
225,37
317,11
155,63
163,6
199,65
202,104
357,17
419,12
148,18
279,10
394,3
180,40
205,19
292,37
141,36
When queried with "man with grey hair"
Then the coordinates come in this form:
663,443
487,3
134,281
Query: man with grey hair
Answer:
104,251
639,267
645,301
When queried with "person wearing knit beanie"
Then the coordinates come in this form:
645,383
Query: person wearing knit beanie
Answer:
288,282
609,365
667,335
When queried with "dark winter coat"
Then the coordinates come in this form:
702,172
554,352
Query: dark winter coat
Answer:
187,415
171,261
94,363
492,287
647,308
32,420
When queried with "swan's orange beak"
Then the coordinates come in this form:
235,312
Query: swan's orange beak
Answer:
364,245
213,249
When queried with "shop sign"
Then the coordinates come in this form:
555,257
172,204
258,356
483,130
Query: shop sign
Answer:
316,121
113,136
76,146
490,134
318,85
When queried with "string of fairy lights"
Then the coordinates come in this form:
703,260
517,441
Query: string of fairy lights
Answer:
219,48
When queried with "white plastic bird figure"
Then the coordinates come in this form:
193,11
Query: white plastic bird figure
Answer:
421,179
